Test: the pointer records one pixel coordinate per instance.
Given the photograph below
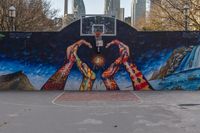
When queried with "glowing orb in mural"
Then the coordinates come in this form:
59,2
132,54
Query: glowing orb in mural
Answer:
98,61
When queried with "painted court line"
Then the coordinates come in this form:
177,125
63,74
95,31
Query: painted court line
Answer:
31,105
56,98
25,105
140,99
105,104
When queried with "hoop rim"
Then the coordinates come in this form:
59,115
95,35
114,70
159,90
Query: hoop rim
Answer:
98,34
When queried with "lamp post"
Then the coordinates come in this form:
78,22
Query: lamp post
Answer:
186,15
12,16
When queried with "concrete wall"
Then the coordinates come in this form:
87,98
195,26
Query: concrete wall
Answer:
56,61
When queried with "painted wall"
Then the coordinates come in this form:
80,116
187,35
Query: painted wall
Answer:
133,61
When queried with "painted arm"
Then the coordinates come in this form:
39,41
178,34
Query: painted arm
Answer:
138,80
108,75
58,80
88,75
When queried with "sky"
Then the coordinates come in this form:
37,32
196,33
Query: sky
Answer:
92,6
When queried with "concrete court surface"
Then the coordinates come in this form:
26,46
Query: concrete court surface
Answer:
98,112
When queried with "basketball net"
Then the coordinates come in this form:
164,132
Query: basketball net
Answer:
99,41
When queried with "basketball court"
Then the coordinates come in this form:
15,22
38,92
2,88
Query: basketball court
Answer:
74,112
99,111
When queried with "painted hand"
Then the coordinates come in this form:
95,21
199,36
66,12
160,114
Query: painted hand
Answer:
74,47
121,45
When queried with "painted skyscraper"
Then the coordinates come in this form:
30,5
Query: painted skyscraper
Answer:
112,7
78,8
138,10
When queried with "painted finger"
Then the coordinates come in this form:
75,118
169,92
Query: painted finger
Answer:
83,42
111,43
88,44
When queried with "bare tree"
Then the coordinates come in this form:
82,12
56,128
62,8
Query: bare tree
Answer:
31,15
169,15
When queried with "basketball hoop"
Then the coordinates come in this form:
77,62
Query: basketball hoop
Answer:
98,26
99,41
92,23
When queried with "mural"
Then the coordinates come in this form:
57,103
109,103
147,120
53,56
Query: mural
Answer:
131,60
137,78
58,80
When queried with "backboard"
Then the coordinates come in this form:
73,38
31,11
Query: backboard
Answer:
90,24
